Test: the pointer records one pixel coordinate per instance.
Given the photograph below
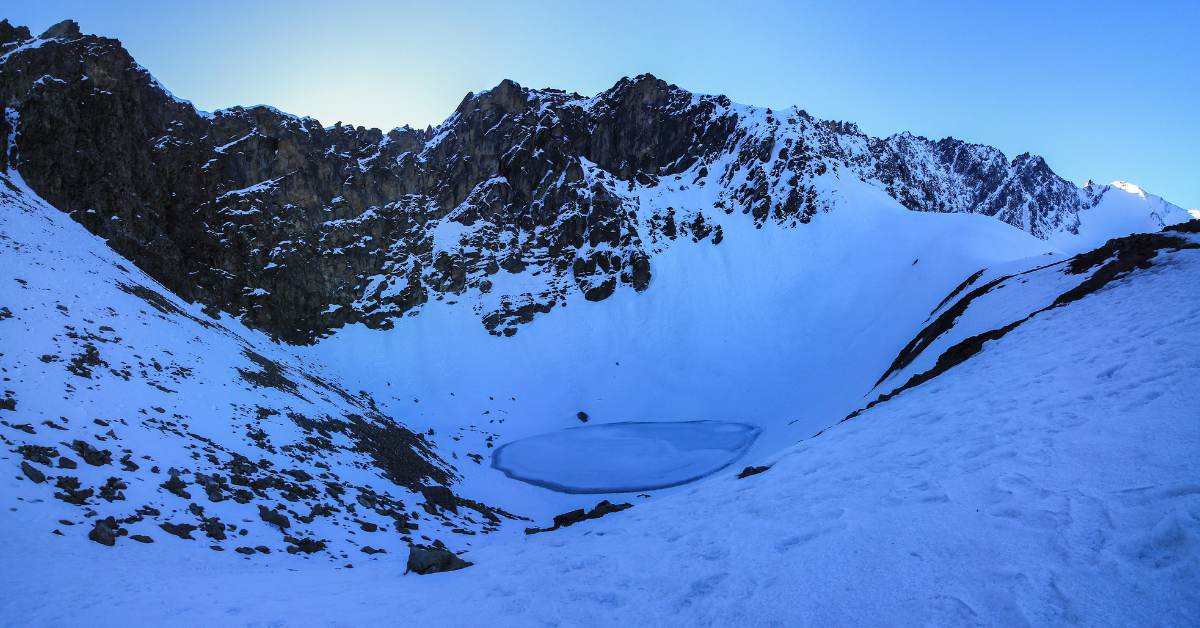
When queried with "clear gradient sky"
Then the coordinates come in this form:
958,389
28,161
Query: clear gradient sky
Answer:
1103,90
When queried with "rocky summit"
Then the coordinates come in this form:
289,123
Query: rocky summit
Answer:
299,228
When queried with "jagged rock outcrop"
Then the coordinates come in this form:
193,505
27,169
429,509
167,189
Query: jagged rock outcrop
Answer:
299,229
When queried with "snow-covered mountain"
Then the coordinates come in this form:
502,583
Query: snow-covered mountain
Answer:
520,201
936,368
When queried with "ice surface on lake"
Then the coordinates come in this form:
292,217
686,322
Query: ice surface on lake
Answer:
625,457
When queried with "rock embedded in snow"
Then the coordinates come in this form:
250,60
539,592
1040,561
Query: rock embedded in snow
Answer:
273,517
181,530
32,473
427,560
104,532
601,509
749,471
438,497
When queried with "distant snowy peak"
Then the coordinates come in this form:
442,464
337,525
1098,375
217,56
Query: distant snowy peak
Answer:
1116,210
521,200
1131,188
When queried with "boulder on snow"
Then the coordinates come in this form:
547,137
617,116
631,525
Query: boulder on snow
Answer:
749,471
181,530
427,560
104,532
31,472
271,516
439,496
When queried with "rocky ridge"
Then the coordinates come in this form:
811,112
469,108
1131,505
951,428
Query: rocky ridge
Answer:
521,200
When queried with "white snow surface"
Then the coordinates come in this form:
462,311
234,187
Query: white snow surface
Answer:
1050,480
1119,209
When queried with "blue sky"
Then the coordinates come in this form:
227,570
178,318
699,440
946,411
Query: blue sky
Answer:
1102,90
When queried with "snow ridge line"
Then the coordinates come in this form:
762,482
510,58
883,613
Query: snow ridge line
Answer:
1131,252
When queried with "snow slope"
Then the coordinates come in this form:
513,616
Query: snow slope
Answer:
1049,480
136,405
1117,209
783,328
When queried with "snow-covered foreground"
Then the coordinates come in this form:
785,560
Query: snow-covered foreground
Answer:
625,457
1051,479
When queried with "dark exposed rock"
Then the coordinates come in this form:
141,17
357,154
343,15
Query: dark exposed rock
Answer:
575,516
278,519
70,490
31,472
269,375
213,528
749,471
83,363
176,486
1191,226
582,416
439,497
104,532
424,560
307,546
37,453
111,490
181,530
91,455
141,538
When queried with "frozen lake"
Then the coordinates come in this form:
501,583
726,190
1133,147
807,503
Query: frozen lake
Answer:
625,457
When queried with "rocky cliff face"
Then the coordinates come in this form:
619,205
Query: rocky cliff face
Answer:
519,200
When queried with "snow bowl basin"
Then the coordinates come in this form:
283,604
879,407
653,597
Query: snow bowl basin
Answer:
625,457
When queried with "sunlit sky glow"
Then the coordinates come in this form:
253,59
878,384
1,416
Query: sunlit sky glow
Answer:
1102,90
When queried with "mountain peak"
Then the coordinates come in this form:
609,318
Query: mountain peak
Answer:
641,84
1132,188
508,95
1029,160
10,32
63,30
